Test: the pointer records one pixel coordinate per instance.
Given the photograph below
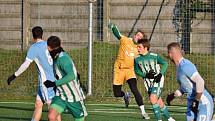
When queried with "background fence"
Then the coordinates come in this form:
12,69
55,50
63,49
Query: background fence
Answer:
190,22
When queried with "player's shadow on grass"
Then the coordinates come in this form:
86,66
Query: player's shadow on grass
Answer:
14,110
2,118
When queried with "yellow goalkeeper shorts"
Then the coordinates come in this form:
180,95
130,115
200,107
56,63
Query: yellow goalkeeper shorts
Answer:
122,75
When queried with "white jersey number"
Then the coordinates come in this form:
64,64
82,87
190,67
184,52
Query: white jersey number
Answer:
49,57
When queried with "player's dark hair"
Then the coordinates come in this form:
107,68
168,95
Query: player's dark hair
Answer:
145,42
54,42
37,32
173,45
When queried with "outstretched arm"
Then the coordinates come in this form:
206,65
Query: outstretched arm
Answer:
115,30
21,69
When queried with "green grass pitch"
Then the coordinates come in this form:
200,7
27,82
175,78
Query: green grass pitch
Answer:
22,111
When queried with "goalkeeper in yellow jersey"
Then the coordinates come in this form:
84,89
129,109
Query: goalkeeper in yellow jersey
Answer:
124,68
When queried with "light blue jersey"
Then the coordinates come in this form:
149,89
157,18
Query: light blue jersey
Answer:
39,53
185,71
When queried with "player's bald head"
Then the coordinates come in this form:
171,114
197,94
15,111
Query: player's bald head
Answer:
174,51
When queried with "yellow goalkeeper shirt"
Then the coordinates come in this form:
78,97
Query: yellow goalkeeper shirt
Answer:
127,52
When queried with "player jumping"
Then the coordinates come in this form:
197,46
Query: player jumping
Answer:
199,101
147,66
124,68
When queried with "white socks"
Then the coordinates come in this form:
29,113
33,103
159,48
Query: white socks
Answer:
171,119
142,108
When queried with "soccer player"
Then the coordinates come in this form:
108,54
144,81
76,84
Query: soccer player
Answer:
199,101
69,95
147,66
38,52
124,68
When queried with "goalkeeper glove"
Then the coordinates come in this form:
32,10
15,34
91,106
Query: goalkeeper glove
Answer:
49,83
194,106
158,78
10,79
169,98
150,74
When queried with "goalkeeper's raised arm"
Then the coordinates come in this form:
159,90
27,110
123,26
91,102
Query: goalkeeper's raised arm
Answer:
115,30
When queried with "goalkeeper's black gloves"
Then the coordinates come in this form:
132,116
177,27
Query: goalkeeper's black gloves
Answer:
169,98
194,106
49,83
10,79
150,74
157,78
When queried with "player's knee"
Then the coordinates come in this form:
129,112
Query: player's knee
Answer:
52,116
153,99
117,91
38,104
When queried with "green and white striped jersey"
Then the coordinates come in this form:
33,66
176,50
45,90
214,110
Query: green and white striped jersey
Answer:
151,61
68,86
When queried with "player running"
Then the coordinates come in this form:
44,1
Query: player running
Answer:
38,52
124,68
147,66
69,95
199,101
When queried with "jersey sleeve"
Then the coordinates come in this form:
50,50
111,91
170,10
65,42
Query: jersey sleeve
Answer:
32,53
23,67
137,69
116,32
163,63
189,69
67,67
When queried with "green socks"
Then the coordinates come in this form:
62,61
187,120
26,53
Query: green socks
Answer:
165,112
156,110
